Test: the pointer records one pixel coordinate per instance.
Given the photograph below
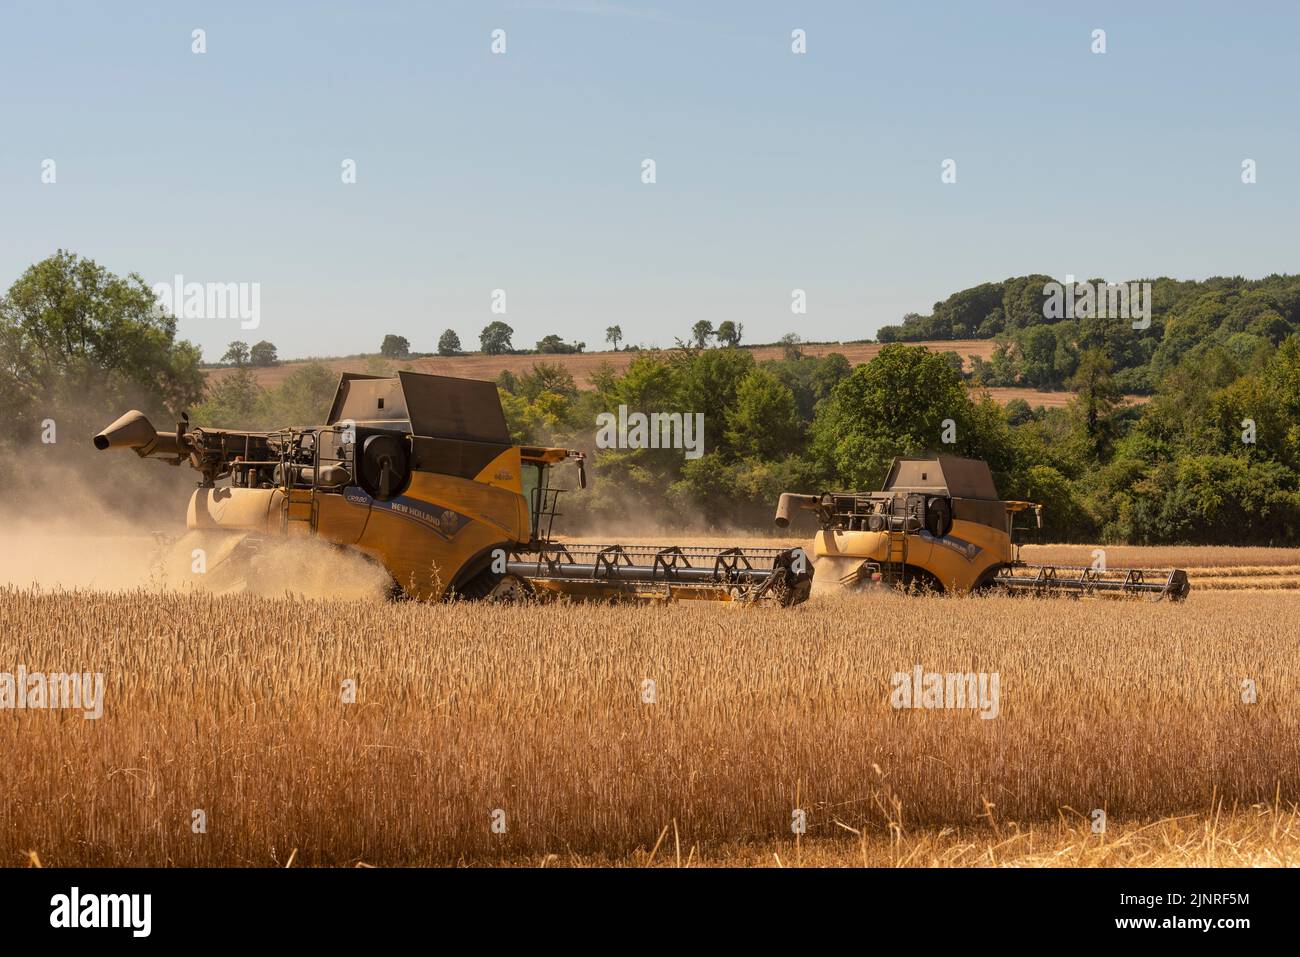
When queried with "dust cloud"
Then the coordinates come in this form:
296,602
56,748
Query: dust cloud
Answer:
123,529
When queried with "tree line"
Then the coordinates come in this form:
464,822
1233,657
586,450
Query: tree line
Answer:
497,338
1040,348
1211,456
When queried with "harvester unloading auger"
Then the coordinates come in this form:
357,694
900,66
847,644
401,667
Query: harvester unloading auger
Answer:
418,473
939,525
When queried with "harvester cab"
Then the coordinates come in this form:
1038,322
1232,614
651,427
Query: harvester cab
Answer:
937,524
418,473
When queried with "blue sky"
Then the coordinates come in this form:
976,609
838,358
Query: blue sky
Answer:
775,171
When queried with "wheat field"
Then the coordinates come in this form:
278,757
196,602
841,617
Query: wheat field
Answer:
529,734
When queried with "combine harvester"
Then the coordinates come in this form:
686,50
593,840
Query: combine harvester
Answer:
939,525
418,473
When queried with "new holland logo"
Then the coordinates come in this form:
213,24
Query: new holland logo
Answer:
967,550
446,522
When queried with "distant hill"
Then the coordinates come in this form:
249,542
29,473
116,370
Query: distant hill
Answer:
580,365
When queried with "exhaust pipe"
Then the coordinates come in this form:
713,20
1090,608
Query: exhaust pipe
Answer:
791,500
134,431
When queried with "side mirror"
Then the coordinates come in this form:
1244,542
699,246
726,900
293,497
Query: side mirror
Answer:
582,473
1038,515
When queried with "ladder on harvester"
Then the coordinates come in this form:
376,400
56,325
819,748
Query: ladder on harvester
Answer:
895,561
298,507
298,512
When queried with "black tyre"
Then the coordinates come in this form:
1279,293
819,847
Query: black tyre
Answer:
920,582
488,585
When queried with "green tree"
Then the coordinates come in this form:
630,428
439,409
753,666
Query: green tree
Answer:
762,421
262,354
76,340
708,382
233,401
832,369
546,377
955,360
495,338
1065,516
707,485
449,343
554,345
1225,500
395,347
701,333
1097,399
810,379
729,333
650,384
1017,412
1038,357
303,399
614,335
637,478
236,353
897,404
1268,400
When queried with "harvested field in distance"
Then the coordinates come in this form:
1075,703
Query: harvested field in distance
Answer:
583,364
1219,557
1036,397
232,705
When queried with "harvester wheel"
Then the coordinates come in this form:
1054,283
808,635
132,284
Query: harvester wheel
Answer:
510,588
918,581
784,587
987,583
488,585
795,594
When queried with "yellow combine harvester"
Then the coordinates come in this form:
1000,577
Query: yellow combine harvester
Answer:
418,472
939,525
